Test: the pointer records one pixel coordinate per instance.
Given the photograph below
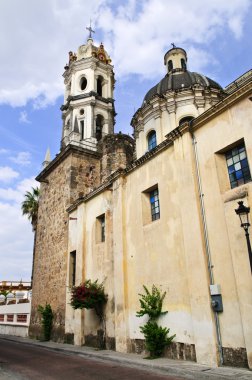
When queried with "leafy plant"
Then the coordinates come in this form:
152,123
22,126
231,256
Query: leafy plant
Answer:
89,295
156,338
151,303
47,320
4,292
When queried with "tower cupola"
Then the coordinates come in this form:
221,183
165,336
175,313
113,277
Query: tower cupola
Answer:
88,110
175,60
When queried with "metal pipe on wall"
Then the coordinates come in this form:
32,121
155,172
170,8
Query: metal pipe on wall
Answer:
206,242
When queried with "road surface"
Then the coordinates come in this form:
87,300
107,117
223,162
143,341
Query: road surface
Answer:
19,361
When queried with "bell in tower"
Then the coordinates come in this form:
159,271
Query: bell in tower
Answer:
88,110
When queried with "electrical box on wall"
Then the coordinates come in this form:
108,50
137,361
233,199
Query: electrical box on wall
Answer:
216,298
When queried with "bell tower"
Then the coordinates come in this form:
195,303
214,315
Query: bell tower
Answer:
88,110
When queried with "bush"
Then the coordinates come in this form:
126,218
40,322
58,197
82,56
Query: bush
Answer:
88,295
47,320
156,338
151,303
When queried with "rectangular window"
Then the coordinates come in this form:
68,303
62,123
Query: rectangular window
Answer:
1,317
154,201
10,317
72,268
100,229
237,164
22,318
150,205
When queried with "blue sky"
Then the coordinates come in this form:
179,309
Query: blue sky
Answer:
35,38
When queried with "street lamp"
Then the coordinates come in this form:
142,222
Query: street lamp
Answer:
243,213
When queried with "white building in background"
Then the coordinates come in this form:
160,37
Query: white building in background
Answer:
15,307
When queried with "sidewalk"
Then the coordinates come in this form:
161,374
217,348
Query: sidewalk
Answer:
179,368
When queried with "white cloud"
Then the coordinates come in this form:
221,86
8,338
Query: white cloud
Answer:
138,41
23,118
22,158
16,194
3,151
36,50
26,185
15,237
7,174
136,33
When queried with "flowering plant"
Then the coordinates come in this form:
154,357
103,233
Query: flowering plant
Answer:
88,295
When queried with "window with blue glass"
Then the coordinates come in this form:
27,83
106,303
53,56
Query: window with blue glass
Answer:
152,140
238,168
154,201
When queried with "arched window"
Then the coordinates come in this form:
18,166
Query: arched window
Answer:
99,125
83,83
152,140
183,64
185,119
99,85
170,65
82,129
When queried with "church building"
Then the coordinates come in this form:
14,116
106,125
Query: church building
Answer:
158,208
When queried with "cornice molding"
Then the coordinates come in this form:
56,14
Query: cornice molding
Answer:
222,105
69,149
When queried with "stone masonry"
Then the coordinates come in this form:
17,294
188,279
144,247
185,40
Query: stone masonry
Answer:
72,174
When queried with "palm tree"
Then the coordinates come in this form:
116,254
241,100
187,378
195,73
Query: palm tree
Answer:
30,206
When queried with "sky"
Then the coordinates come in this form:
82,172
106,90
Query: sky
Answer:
35,38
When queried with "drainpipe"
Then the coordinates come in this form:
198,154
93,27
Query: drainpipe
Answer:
206,242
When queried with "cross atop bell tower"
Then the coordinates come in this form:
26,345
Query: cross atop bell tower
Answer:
89,28
88,110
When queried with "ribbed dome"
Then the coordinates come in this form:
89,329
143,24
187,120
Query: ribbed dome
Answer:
180,81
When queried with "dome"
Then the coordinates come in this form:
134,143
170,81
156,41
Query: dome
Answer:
179,81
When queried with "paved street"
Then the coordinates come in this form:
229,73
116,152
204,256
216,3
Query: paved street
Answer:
25,359
20,362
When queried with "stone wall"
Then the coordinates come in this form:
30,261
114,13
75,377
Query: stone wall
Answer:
176,350
71,175
117,152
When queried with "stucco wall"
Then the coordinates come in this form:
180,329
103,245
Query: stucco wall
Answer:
231,266
170,251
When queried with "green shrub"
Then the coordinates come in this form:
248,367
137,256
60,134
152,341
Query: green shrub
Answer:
156,338
47,320
151,303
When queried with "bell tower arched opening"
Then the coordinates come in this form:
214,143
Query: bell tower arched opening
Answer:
99,85
99,127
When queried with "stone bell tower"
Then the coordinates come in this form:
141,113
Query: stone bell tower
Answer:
88,110
90,152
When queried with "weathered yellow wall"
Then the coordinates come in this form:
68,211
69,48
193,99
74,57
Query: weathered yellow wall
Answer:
170,252
230,259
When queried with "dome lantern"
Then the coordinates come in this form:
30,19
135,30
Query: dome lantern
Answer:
175,60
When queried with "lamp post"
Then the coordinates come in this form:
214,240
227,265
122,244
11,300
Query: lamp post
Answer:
243,213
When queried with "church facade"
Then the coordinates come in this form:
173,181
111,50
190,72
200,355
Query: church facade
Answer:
158,208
